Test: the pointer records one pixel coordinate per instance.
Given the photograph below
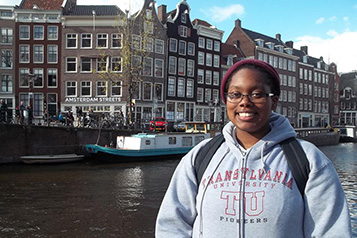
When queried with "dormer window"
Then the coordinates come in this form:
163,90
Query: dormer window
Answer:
289,51
183,18
304,59
270,45
260,42
319,65
280,48
230,60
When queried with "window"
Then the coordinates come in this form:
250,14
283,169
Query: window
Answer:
117,40
136,89
102,64
116,89
172,65
38,53
24,54
182,47
216,61
190,68
52,103
71,41
147,91
38,78
208,96
6,83
52,53
191,49
215,78
102,40
183,18
200,76
52,33
24,32
7,36
101,88
182,30
159,46
147,67
23,77
71,88
52,78
158,91
181,87
201,42
149,45
159,68
209,44
171,88
149,27
6,59
71,64
181,66
136,42
136,62
200,94
190,88
38,33
201,58
173,45
209,59
116,65
86,87
217,46
86,65
208,77
86,41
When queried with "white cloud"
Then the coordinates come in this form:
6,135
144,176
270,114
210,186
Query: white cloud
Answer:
332,33
220,14
320,20
333,18
345,18
337,49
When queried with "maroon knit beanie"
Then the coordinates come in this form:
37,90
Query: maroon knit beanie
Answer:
267,67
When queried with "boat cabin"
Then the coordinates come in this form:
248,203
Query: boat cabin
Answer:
213,128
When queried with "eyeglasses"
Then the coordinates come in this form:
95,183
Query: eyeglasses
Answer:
253,97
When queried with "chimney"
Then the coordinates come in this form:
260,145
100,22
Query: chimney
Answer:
304,48
289,44
238,23
278,37
161,10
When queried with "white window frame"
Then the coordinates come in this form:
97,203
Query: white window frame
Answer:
181,66
200,76
84,37
71,85
24,53
181,92
7,54
86,85
119,86
117,37
201,42
191,49
199,94
172,59
41,54
101,84
71,37
190,68
171,87
52,35
86,62
209,44
72,62
48,54
159,46
159,67
217,46
182,47
102,37
173,45
42,37
190,88
55,72
147,66
27,32
114,62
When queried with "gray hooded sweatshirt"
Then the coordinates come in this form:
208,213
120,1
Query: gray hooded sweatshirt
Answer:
253,194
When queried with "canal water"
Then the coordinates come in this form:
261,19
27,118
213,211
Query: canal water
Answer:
88,199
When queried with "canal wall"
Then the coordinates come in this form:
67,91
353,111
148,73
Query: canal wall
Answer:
19,140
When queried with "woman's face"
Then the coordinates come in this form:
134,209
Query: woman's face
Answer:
250,119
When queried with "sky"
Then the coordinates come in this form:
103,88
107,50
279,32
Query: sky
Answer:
327,27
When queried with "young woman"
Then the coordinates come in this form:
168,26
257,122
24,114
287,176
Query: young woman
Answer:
248,189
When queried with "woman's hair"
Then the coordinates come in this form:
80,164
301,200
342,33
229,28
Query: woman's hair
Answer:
270,80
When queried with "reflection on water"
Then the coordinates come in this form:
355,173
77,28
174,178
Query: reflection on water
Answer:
89,199
343,156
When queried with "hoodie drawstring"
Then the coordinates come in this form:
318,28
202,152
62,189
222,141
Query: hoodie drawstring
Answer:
262,159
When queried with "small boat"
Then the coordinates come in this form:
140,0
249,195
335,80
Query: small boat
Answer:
145,146
49,159
348,133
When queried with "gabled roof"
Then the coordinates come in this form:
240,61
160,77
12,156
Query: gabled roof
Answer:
201,22
229,50
255,35
349,80
87,10
41,4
